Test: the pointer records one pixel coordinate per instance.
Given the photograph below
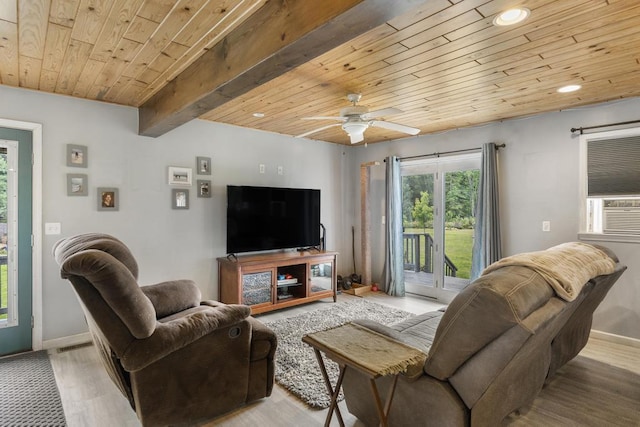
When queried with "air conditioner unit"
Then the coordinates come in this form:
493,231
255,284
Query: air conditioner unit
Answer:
618,220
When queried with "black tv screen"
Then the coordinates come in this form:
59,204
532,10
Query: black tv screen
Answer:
266,218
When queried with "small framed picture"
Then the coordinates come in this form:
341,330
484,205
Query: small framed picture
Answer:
179,176
77,156
108,199
77,184
204,188
179,199
203,165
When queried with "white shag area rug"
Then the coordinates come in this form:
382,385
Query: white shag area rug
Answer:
297,369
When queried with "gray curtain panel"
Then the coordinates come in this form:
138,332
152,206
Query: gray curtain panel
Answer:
393,264
487,247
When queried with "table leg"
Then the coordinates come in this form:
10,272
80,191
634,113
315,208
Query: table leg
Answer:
332,392
383,412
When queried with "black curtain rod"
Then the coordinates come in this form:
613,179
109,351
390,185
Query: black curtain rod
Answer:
436,154
582,129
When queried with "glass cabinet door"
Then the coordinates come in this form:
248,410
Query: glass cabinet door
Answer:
256,288
320,277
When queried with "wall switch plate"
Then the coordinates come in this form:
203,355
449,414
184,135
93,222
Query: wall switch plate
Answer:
262,168
546,225
280,170
52,228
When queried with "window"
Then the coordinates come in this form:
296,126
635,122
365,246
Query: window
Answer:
610,185
8,230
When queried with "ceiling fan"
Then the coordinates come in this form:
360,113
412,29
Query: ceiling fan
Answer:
356,119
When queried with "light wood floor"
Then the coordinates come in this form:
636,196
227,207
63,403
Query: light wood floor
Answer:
601,387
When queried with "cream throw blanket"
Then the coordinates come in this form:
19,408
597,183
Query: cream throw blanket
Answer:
566,267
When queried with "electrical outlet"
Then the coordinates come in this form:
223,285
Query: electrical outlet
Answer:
546,225
262,168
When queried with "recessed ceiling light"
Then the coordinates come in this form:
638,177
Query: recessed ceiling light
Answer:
258,115
511,16
569,88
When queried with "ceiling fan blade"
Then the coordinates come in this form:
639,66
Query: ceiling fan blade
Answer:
356,137
395,126
302,135
379,113
342,119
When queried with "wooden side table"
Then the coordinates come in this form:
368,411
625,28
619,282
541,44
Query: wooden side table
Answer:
370,353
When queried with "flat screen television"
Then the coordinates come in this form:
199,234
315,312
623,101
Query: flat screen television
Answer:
268,218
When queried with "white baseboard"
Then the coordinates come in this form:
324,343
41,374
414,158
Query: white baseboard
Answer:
618,339
67,341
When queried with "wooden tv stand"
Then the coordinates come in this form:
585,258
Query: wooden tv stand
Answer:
272,281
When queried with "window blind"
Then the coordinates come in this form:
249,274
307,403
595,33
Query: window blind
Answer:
613,167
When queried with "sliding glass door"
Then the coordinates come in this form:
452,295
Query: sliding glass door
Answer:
439,200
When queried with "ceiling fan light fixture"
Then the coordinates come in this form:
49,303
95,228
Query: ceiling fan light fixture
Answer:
569,88
511,16
355,128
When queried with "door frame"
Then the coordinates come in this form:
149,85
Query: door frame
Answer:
36,226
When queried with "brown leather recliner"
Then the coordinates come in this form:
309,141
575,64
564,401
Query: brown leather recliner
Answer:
176,358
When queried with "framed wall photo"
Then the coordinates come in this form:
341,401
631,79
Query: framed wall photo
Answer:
77,184
108,199
179,199
203,165
204,188
77,156
179,176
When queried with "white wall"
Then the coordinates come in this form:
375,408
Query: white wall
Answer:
168,244
538,181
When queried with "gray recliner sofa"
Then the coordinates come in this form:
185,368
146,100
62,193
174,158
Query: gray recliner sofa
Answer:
177,359
489,353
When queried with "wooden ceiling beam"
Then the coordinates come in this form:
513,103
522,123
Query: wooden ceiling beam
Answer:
278,37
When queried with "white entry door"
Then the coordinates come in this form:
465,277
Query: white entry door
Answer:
16,311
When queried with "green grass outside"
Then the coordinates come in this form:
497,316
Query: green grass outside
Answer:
458,246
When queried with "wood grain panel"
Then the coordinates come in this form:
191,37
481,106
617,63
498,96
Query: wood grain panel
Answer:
76,57
30,72
63,12
9,11
235,18
162,36
32,27
58,38
48,80
91,70
122,13
157,10
91,17
9,71
442,62
288,33
140,29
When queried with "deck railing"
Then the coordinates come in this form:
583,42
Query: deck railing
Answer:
416,244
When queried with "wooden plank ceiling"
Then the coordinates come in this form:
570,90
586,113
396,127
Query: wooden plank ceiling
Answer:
443,64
